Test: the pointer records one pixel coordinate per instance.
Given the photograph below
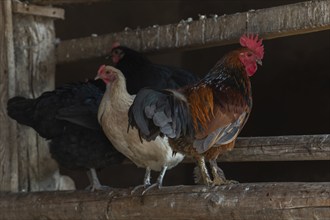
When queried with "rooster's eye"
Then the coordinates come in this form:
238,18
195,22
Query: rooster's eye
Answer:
249,54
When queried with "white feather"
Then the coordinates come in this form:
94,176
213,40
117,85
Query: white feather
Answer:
113,118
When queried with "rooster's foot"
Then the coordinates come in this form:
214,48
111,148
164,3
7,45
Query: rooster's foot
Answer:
219,176
219,181
201,173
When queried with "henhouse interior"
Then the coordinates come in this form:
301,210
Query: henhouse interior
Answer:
164,109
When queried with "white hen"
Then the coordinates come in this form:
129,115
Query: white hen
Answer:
113,116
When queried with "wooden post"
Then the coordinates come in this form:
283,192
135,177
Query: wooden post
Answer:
25,161
8,145
249,201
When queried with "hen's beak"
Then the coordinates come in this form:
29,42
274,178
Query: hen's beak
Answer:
99,72
259,62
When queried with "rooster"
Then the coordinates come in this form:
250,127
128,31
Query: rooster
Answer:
204,119
140,72
67,117
155,155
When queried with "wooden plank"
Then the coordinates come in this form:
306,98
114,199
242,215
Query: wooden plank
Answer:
277,148
23,8
34,38
25,163
299,18
280,148
8,144
250,201
62,2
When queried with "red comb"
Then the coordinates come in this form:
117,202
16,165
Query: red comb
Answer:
253,44
115,44
101,69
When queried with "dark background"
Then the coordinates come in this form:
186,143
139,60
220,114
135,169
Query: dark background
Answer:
291,90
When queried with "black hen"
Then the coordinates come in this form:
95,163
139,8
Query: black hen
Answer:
140,72
67,117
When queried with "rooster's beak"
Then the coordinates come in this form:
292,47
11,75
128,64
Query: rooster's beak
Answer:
259,62
97,77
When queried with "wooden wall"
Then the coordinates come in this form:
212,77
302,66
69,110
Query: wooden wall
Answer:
28,63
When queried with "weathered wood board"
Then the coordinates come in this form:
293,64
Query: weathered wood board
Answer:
62,2
27,69
249,201
281,21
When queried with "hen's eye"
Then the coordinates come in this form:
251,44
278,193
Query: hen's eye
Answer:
118,52
249,54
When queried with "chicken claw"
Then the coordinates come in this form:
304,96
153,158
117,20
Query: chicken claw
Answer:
159,182
219,176
203,172
146,181
95,183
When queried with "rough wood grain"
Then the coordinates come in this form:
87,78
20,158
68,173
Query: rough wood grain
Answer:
280,148
8,144
62,2
23,8
300,18
242,201
25,163
34,38
277,148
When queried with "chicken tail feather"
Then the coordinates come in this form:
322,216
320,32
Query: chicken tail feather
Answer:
160,112
21,109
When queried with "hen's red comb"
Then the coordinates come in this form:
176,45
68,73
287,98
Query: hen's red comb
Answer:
115,44
101,69
253,44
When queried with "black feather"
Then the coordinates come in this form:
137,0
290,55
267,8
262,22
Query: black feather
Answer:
140,72
67,117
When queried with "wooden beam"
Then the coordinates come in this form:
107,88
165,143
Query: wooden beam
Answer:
8,143
280,148
277,148
23,8
27,68
242,201
281,21
34,38
62,2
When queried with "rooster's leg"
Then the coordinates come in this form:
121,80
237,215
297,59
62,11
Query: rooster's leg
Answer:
146,180
159,182
218,175
94,181
203,171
